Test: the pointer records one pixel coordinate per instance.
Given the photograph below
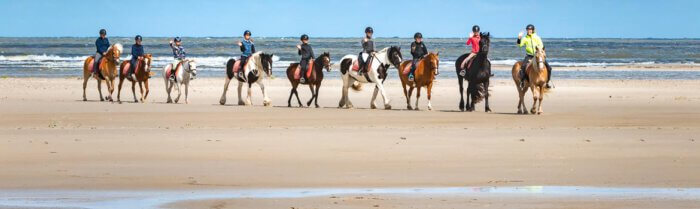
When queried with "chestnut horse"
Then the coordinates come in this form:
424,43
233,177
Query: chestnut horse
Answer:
107,70
424,75
142,73
537,79
316,71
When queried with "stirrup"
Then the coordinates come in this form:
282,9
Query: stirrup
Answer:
302,80
463,73
410,77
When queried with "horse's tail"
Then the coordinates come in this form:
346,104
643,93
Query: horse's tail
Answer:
229,67
478,92
356,86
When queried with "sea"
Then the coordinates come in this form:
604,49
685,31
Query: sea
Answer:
64,56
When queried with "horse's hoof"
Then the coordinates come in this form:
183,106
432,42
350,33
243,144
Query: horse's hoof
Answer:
409,107
417,109
222,102
539,113
317,106
84,100
372,106
532,111
266,104
430,108
241,103
387,107
487,110
520,112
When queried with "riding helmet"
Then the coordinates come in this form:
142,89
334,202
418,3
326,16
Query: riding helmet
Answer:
138,38
103,32
476,28
247,32
418,35
530,26
177,39
304,37
369,30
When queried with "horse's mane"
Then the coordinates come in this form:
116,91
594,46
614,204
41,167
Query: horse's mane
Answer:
119,47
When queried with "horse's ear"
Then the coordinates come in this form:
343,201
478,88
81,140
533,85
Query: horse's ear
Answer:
438,53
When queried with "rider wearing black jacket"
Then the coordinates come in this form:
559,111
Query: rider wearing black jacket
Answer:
418,50
307,53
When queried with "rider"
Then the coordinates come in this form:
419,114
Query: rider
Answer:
307,53
136,56
531,42
247,49
178,51
474,38
418,50
367,49
102,45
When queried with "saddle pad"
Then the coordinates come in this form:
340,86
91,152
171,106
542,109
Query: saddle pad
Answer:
91,65
237,65
169,69
297,72
407,68
356,65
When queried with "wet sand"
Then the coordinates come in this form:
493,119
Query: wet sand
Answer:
604,133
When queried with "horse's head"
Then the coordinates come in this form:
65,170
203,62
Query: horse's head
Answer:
192,68
325,59
433,62
114,52
394,56
540,57
485,42
266,62
147,59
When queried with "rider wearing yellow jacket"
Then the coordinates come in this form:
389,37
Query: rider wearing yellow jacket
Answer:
531,42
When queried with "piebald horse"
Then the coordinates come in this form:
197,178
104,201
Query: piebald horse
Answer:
142,73
537,79
176,76
424,75
379,63
258,67
314,78
107,70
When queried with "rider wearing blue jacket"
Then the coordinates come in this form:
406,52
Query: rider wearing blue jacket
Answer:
247,49
102,45
136,55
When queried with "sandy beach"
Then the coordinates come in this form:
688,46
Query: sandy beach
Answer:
593,133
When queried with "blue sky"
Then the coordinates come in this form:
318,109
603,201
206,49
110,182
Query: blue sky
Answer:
348,18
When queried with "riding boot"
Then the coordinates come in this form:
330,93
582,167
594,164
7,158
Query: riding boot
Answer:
522,78
549,75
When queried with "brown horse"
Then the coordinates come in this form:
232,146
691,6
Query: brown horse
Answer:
107,70
142,73
316,71
424,75
537,79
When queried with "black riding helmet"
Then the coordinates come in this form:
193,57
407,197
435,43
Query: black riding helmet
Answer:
138,37
177,39
103,32
530,26
476,28
418,35
247,32
304,37
369,30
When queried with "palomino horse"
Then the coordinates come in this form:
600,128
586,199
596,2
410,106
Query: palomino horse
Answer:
142,73
177,76
477,76
378,64
426,70
258,67
107,70
537,76
314,78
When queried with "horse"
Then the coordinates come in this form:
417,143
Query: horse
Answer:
181,74
477,76
314,78
258,67
537,79
142,73
424,75
107,70
378,65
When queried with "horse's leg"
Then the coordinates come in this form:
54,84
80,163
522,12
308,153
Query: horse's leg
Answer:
145,84
291,94
408,99
318,87
179,91
266,100
468,104
222,101
486,89
133,91
417,97
248,100
534,98
541,96
99,89
86,77
313,94
343,97
405,94
169,89
384,96
461,92
429,91
374,98
110,89
119,90
240,88
296,93
141,90
187,91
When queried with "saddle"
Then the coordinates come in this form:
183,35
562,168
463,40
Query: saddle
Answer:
92,67
407,68
127,65
237,66
170,72
356,65
309,70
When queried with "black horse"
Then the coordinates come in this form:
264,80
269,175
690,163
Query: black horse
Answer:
477,76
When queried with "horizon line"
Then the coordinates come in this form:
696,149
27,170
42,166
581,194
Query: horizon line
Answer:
380,37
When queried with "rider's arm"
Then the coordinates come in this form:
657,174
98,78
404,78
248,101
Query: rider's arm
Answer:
425,49
252,48
413,49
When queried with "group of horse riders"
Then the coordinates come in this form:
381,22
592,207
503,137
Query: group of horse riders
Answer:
531,41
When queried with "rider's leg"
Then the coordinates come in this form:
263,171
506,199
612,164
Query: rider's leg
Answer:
413,68
468,60
96,62
360,63
549,73
523,67
304,67
132,67
244,59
